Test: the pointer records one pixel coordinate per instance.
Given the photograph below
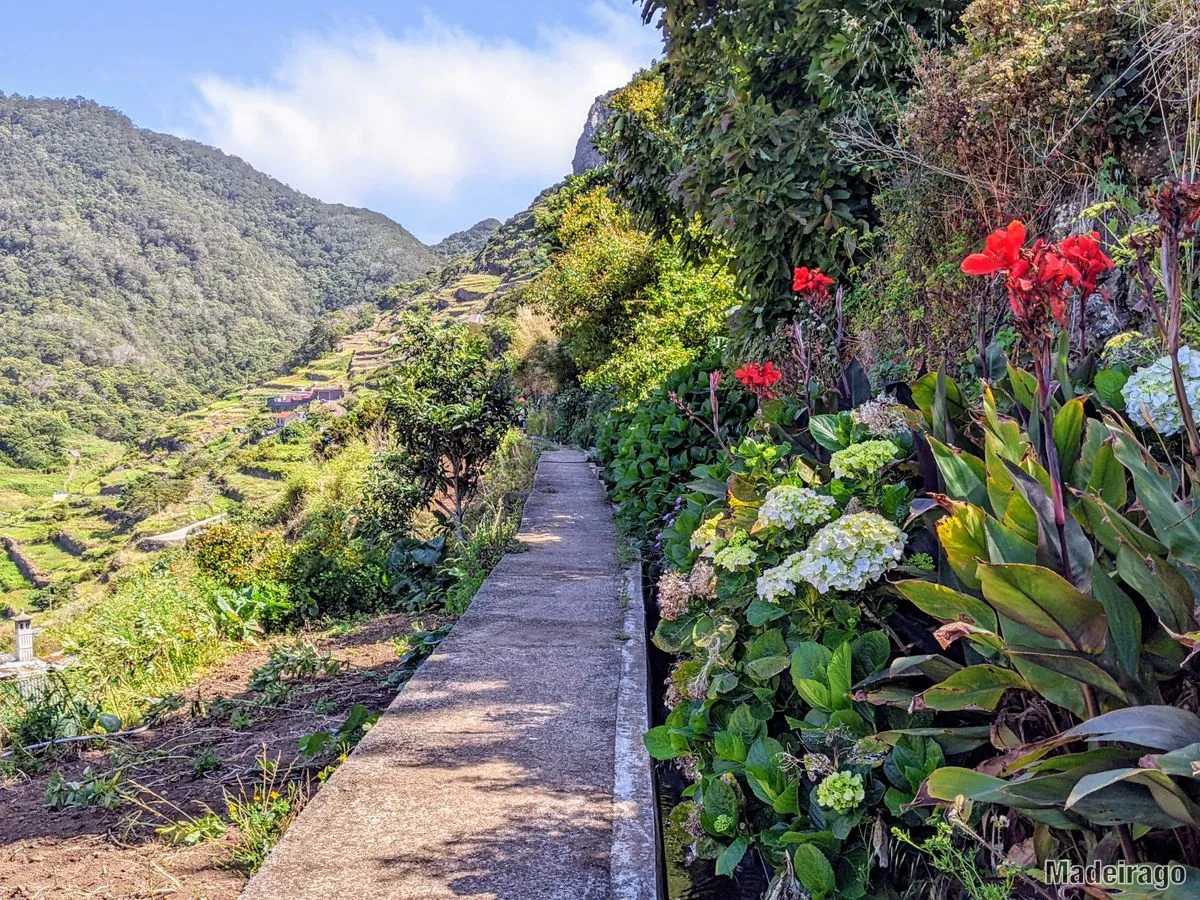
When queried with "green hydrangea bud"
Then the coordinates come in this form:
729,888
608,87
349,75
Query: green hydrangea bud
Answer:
922,561
723,823
841,792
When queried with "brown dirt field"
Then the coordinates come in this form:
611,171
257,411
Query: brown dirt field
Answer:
98,853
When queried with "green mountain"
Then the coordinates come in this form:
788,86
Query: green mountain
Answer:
141,273
467,243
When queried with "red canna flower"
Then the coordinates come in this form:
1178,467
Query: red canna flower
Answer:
760,378
1084,251
1002,253
810,281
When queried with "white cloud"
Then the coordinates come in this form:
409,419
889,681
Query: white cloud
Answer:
425,112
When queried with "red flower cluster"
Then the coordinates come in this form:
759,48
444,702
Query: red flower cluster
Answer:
812,282
759,378
1041,278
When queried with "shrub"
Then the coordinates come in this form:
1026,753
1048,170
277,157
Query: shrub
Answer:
651,449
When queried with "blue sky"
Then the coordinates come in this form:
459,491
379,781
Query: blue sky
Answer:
437,114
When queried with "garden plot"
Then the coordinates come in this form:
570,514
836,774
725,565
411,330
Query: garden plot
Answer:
171,831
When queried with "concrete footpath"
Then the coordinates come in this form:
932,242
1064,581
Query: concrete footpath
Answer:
511,765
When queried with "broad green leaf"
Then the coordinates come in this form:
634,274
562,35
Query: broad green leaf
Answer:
1078,549
1163,588
964,541
760,612
767,655
1124,622
932,666
720,798
974,688
814,871
1109,384
962,474
947,605
833,431
1133,795
728,861
870,652
1158,727
1047,603
1024,387
659,743
1073,666
840,678
1113,530
1174,525
1107,478
729,746
1005,545
1181,763
1068,436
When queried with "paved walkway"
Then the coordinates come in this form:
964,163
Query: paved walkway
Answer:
492,774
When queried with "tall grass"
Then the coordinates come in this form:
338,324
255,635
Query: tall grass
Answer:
145,639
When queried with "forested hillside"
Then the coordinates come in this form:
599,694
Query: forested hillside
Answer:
140,272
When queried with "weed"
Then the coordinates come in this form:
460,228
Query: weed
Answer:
324,706
288,664
262,812
91,790
205,761
240,720
346,738
192,830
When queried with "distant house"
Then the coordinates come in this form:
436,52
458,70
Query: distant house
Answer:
287,402
281,420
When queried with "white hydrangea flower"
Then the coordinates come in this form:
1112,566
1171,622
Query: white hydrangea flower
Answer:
1150,392
735,556
781,580
789,507
850,553
881,416
864,458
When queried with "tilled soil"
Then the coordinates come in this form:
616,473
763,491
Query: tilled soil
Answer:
98,853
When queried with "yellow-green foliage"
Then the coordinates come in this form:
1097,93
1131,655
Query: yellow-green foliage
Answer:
628,308
144,639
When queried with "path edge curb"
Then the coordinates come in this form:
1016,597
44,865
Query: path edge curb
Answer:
634,864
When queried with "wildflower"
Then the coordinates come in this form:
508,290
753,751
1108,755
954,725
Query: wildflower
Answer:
851,552
759,378
841,791
1001,253
864,458
780,580
1039,278
882,416
735,556
788,507
1084,252
1150,398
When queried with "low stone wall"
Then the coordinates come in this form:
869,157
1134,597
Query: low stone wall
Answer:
23,563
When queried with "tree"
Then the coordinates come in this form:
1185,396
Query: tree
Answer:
736,128
451,404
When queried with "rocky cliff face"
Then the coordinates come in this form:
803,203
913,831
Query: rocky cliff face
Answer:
586,154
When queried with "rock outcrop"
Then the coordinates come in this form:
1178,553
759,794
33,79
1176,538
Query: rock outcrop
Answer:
586,155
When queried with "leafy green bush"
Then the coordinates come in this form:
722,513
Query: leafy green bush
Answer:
650,449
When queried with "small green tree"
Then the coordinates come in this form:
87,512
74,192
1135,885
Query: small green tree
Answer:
450,406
